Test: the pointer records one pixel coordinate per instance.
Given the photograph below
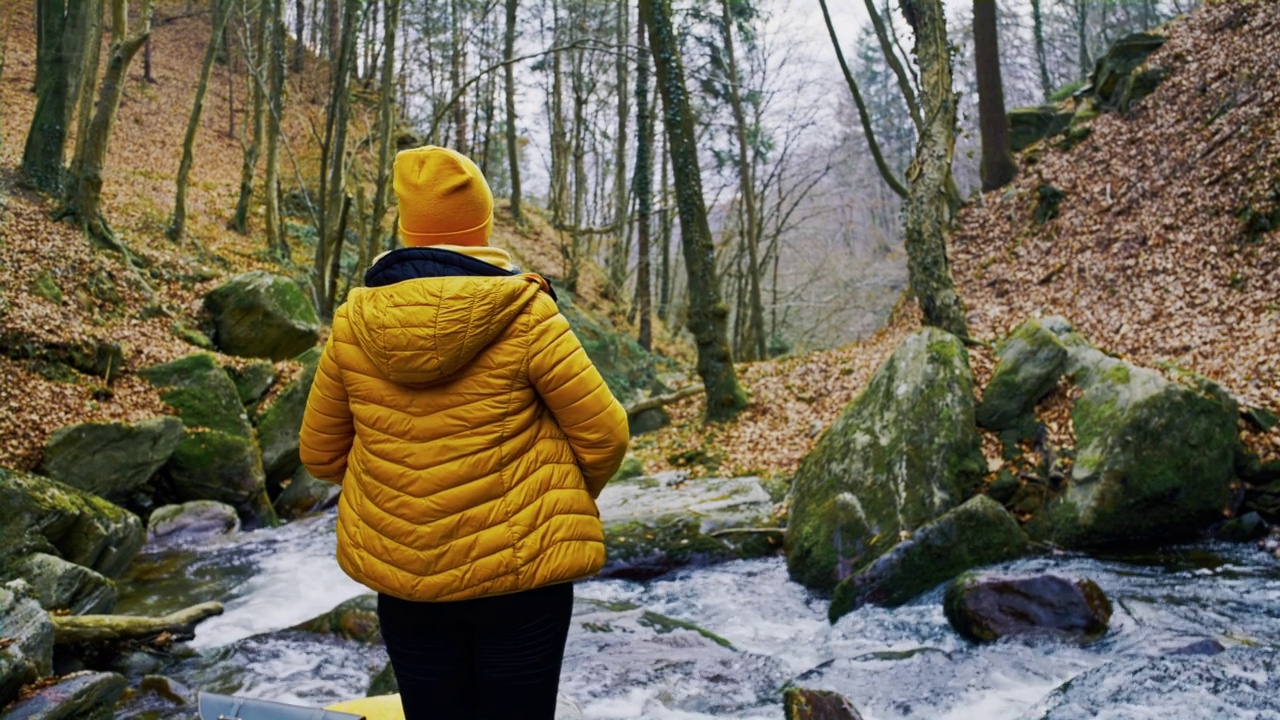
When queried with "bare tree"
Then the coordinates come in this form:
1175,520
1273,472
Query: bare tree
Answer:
998,167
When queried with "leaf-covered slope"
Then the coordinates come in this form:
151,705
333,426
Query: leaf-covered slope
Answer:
1165,248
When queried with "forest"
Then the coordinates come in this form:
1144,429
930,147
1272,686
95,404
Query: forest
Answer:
911,305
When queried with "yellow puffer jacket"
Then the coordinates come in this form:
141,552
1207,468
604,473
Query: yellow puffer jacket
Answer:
470,433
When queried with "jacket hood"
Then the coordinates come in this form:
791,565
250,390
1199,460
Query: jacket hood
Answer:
424,330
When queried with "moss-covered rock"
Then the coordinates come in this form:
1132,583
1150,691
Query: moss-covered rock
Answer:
900,455
42,515
214,465
1029,125
29,652
81,696
253,381
655,524
1154,458
979,532
354,619
1032,360
63,585
111,460
984,608
279,424
202,392
257,314
1113,75
89,355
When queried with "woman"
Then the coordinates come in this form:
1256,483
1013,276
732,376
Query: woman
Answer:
471,435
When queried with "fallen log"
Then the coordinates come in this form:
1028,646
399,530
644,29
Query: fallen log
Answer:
72,629
658,401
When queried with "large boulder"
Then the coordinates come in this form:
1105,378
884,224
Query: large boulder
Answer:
42,515
278,424
81,696
111,459
901,454
1114,78
193,519
258,314
984,608
217,458
26,626
63,585
655,524
1032,360
979,532
1154,458
1029,125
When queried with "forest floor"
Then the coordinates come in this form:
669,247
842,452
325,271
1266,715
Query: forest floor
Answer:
1148,257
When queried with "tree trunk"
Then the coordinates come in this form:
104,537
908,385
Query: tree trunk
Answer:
513,146
89,77
643,190
664,236
926,205
578,149
1082,36
178,226
707,314
84,200
753,337
1037,33
891,58
559,141
618,251
58,44
277,244
457,71
299,26
998,168
259,74
386,117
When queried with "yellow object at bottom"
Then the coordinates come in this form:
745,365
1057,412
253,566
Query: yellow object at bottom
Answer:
378,707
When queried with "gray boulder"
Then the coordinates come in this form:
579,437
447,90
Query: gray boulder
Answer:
1029,125
354,619
217,458
984,608
30,654
801,703
42,515
979,532
258,314
80,696
305,495
194,519
278,425
655,524
110,460
901,454
1154,458
63,585
253,380
1032,360
1114,80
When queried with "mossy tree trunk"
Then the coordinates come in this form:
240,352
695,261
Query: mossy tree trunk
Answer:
84,194
998,168
927,210
178,225
258,75
386,117
1037,33
274,59
642,188
61,40
509,91
707,313
619,250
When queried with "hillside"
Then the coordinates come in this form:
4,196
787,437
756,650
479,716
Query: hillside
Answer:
1157,253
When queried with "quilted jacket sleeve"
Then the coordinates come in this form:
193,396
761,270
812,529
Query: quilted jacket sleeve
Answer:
571,386
327,427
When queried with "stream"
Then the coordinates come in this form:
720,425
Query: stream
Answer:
720,641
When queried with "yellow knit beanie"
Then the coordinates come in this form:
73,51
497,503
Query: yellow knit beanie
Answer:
444,199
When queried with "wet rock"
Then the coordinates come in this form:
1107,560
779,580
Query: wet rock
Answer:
901,454
194,519
1239,683
1200,647
1246,528
82,696
1154,458
112,459
984,608
257,314
305,495
355,619
384,683
804,704
30,653
63,585
42,515
168,688
278,425
655,524
979,532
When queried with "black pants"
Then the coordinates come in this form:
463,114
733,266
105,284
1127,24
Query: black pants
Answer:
492,658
